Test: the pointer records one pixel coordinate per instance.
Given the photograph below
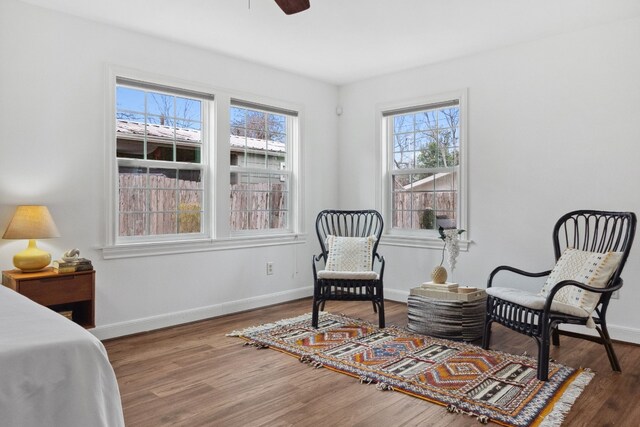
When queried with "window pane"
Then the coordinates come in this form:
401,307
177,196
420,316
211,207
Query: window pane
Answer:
161,104
160,151
188,153
129,148
424,201
238,117
189,221
130,99
188,110
133,200
132,224
163,178
132,177
162,223
403,123
162,200
276,123
256,120
258,201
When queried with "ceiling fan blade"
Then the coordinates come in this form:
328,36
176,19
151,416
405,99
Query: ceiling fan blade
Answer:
293,6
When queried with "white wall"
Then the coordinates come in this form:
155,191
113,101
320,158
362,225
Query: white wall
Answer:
52,133
553,126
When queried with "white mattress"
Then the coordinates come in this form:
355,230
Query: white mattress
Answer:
52,371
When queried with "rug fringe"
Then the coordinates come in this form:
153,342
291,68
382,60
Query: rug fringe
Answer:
310,361
366,380
257,345
384,387
568,398
482,419
266,326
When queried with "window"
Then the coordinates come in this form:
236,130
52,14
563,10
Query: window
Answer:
170,184
424,146
260,171
161,147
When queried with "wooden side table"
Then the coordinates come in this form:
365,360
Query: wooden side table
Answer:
440,314
61,292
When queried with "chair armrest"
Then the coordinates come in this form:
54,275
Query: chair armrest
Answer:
314,261
514,270
563,283
380,259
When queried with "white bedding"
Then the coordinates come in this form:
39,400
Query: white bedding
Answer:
52,371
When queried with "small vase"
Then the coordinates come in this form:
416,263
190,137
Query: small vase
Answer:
439,275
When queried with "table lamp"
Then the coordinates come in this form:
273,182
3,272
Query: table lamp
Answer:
31,222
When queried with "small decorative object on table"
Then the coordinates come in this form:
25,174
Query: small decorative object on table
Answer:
71,262
451,238
71,255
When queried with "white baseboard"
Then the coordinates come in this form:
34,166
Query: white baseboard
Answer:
396,295
619,333
176,318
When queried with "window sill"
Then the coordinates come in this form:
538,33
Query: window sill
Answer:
413,241
132,250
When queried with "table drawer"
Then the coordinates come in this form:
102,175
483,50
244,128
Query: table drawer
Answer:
59,290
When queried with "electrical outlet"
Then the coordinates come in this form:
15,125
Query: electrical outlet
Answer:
269,268
615,294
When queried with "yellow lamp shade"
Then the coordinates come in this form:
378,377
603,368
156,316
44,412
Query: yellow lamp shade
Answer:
31,222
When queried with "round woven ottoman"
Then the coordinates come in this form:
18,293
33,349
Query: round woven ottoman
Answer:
446,318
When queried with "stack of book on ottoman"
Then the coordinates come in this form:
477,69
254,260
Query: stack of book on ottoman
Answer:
447,310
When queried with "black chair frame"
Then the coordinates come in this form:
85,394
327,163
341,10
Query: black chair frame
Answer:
348,223
588,230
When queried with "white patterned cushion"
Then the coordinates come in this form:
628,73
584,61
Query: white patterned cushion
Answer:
348,275
349,253
591,268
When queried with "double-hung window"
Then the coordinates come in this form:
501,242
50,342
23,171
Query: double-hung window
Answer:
424,145
161,154
261,175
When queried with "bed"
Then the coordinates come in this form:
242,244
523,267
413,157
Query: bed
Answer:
52,371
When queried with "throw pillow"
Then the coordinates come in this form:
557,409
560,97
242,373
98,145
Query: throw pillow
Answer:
349,253
591,268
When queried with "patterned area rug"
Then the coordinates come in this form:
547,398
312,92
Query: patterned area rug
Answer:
489,385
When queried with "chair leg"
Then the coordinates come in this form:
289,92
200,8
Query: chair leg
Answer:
314,315
314,311
555,337
608,345
543,354
486,336
380,314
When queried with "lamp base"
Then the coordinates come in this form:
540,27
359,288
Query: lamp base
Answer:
32,258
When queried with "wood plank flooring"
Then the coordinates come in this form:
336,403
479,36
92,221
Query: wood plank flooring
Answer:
194,375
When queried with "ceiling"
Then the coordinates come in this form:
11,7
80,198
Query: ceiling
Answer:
342,41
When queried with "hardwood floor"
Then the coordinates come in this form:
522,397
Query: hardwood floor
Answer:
194,375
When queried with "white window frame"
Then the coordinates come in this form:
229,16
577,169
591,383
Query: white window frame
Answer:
413,237
291,172
216,234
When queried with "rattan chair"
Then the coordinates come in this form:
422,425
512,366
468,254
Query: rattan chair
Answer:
348,285
537,315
